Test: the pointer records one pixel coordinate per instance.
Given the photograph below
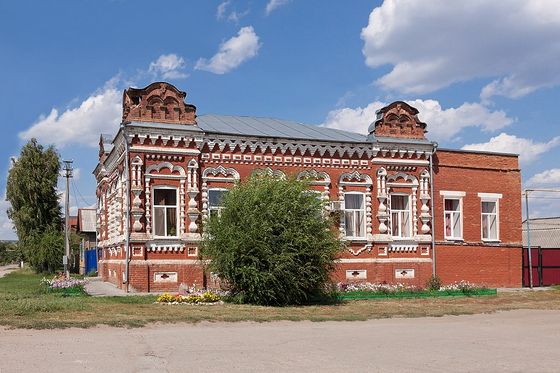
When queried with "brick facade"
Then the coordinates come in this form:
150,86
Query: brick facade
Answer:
162,144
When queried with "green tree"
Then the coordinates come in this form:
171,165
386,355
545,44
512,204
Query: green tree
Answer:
31,191
272,244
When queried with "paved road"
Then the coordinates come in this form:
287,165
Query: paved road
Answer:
516,341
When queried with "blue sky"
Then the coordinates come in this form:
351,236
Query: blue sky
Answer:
484,75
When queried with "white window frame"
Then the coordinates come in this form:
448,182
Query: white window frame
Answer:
161,187
363,211
410,222
495,198
457,195
454,236
216,208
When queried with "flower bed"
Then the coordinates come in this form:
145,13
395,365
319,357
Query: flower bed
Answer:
373,291
206,297
63,285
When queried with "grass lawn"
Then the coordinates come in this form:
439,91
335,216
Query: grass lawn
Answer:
23,304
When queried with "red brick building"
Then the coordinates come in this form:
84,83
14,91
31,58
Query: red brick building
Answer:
407,208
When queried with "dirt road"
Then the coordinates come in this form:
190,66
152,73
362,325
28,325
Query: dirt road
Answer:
4,270
515,341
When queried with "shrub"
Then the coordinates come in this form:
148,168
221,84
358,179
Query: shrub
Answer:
272,243
9,253
434,283
44,250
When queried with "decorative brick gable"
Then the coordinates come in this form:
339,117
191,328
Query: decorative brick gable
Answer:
398,119
159,102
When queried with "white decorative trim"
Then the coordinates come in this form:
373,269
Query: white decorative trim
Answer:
260,172
314,177
355,178
367,247
452,194
192,191
154,149
163,248
230,175
412,162
403,248
385,260
393,179
490,197
292,147
213,172
158,167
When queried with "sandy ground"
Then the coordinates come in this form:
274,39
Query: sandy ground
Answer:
515,341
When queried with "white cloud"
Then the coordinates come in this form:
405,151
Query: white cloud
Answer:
168,66
99,113
443,124
353,119
434,43
233,16
547,177
6,226
232,52
527,149
221,10
274,4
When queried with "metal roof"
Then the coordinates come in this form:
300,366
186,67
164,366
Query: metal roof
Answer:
86,220
545,232
275,128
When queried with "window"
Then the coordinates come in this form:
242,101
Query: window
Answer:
215,201
453,219
400,216
354,215
490,220
490,216
165,212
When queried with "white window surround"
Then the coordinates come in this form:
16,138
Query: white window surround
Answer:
493,198
454,235
407,211
165,187
355,212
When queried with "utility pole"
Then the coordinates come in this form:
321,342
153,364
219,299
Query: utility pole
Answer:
68,175
529,253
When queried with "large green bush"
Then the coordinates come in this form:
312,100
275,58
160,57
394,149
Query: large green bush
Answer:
272,244
9,253
44,250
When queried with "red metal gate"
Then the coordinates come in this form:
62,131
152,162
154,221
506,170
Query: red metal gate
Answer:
546,266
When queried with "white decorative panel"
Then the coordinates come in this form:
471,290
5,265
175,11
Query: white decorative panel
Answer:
404,273
356,274
165,277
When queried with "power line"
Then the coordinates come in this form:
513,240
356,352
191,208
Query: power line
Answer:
80,194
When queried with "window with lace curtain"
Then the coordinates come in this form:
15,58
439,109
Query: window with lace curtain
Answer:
165,212
401,226
354,215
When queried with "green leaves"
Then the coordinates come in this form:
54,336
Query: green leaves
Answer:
272,243
35,210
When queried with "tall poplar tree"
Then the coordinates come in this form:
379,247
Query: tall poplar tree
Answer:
31,191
